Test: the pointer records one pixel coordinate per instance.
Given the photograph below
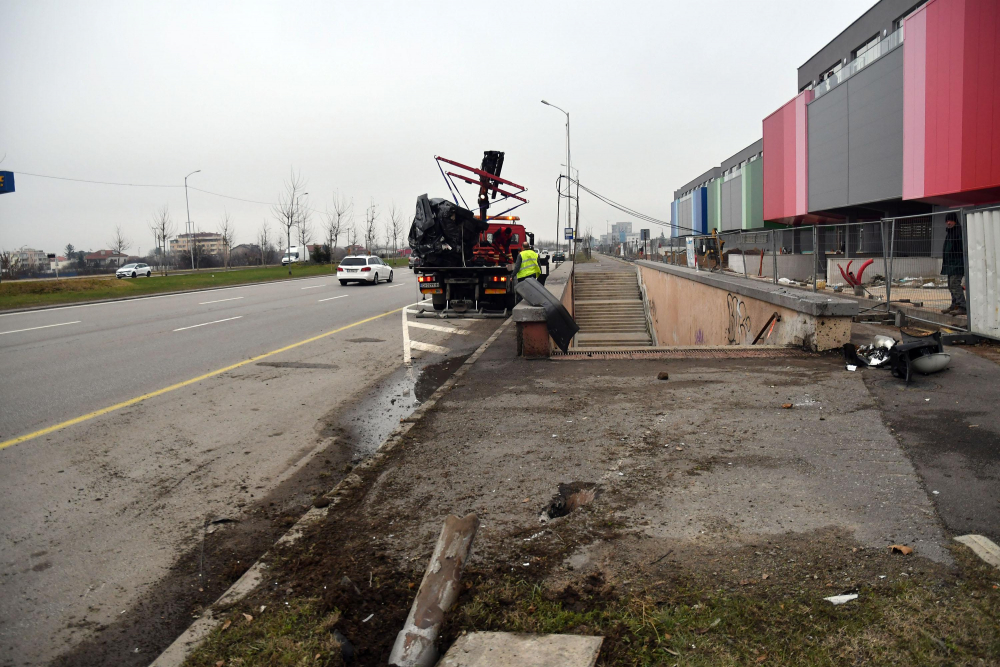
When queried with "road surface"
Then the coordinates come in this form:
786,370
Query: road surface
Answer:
128,427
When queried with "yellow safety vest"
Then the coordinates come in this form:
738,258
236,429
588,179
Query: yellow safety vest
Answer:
529,264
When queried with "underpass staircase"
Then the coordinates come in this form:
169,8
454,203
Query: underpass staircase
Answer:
609,309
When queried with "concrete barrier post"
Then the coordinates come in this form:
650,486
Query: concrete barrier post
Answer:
415,644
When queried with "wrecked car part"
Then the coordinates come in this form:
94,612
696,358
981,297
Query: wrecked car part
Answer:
560,323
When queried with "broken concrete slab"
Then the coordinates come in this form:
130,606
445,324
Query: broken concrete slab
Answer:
508,649
982,547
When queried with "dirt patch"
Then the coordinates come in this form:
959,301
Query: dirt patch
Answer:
298,364
434,375
365,340
221,553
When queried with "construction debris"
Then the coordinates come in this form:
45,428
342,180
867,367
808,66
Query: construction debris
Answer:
416,643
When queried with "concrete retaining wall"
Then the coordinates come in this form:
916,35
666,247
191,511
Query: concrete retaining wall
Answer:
690,307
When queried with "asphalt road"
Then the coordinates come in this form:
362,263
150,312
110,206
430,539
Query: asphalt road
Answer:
61,363
106,549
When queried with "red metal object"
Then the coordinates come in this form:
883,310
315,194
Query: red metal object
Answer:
476,182
480,172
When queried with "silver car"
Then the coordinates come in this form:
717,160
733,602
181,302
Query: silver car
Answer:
133,271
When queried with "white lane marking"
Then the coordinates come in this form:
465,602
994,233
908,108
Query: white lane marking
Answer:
427,347
334,297
205,324
435,327
47,326
399,285
315,286
204,303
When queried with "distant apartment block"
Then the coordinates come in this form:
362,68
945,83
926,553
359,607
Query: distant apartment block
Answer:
208,243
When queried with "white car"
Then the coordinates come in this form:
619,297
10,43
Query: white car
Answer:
363,269
133,271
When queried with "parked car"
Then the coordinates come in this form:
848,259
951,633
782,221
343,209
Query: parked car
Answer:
133,271
363,269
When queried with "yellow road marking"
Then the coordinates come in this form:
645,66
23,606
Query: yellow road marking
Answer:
179,385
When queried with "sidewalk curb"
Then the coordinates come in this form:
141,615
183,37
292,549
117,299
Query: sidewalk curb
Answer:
178,651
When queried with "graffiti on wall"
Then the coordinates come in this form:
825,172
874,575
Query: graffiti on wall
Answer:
738,329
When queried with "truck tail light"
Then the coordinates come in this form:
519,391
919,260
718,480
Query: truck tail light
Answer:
367,268
426,279
499,279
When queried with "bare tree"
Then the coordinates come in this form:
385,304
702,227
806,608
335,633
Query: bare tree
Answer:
304,225
10,264
228,233
264,241
119,242
371,225
336,221
286,211
162,228
396,222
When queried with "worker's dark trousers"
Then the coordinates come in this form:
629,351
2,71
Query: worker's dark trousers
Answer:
957,293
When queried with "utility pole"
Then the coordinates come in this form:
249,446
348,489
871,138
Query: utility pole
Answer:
187,204
569,176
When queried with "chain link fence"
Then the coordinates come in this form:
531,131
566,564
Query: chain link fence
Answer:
902,260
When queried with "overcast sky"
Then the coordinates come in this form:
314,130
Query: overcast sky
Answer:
358,97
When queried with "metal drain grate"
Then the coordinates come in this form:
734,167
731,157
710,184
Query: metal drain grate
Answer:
728,352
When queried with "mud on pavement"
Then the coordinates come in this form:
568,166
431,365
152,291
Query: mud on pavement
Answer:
227,546
693,518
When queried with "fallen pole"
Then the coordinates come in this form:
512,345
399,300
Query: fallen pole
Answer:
415,643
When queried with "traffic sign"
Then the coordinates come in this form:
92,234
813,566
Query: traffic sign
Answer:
568,231
6,181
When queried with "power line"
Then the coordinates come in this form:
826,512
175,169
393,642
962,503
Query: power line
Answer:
81,180
152,185
634,213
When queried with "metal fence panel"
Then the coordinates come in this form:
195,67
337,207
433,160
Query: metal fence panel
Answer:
983,257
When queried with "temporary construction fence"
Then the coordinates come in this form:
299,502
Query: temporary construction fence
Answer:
888,261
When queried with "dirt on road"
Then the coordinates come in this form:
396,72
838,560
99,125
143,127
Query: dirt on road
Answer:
690,519
146,515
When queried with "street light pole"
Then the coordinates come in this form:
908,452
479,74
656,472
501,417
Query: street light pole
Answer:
187,203
569,177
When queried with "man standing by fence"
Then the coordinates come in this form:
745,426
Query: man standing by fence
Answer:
953,264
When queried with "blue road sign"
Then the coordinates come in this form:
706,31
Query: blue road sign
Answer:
568,231
6,181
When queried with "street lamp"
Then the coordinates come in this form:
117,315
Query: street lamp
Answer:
569,178
187,203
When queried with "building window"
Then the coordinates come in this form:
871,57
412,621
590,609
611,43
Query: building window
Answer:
833,71
867,51
898,23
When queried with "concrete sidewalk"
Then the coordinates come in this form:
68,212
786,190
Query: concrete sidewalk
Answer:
669,516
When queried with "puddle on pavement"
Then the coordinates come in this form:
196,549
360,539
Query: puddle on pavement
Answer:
365,340
570,497
366,425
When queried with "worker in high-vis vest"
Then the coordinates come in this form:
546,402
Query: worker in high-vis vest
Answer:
526,265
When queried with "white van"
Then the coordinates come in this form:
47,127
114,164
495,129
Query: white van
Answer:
293,255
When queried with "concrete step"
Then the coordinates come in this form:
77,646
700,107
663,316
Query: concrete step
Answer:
611,339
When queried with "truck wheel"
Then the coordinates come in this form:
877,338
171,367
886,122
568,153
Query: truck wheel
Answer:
439,301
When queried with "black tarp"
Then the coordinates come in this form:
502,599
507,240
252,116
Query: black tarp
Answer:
441,230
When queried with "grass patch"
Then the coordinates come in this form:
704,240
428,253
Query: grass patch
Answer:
18,294
906,623
289,635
